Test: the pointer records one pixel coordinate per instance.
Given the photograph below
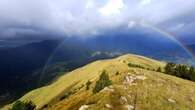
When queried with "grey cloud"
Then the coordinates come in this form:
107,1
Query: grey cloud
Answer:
83,17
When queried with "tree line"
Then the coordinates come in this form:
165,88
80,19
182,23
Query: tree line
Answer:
180,70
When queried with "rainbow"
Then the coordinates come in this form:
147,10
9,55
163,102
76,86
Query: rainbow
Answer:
171,37
155,28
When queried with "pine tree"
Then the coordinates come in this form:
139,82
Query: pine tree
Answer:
192,73
103,82
170,68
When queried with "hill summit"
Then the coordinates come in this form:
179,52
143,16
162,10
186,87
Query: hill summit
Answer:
128,82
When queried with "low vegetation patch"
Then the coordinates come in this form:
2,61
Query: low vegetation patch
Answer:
142,67
159,69
88,85
135,65
19,105
67,94
103,82
117,73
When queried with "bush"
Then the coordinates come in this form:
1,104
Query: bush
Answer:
103,82
66,95
135,65
88,85
117,73
170,68
19,105
159,69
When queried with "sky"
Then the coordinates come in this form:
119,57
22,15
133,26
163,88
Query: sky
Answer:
31,19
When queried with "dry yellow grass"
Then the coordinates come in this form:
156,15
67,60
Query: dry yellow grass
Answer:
151,93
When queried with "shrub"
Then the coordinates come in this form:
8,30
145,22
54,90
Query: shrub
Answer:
159,69
135,65
45,106
170,68
103,82
117,73
88,85
66,95
19,105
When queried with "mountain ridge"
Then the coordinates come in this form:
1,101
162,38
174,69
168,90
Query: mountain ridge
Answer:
52,97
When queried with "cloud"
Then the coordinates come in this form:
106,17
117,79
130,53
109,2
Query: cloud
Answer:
177,27
131,24
145,2
85,17
90,4
181,26
112,7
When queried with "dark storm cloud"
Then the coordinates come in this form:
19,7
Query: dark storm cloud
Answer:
182,26
46,18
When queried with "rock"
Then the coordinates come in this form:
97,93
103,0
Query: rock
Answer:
127,79
133,84
129,73
128,107
123,100
130,79
108,89
125,88
171,101
141,77
129,96
84,107
111,87
108,106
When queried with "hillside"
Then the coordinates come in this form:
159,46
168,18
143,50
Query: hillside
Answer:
25,64
133,88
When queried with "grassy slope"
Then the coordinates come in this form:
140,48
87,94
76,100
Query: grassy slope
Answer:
149,94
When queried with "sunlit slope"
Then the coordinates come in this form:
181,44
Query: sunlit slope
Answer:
149,90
